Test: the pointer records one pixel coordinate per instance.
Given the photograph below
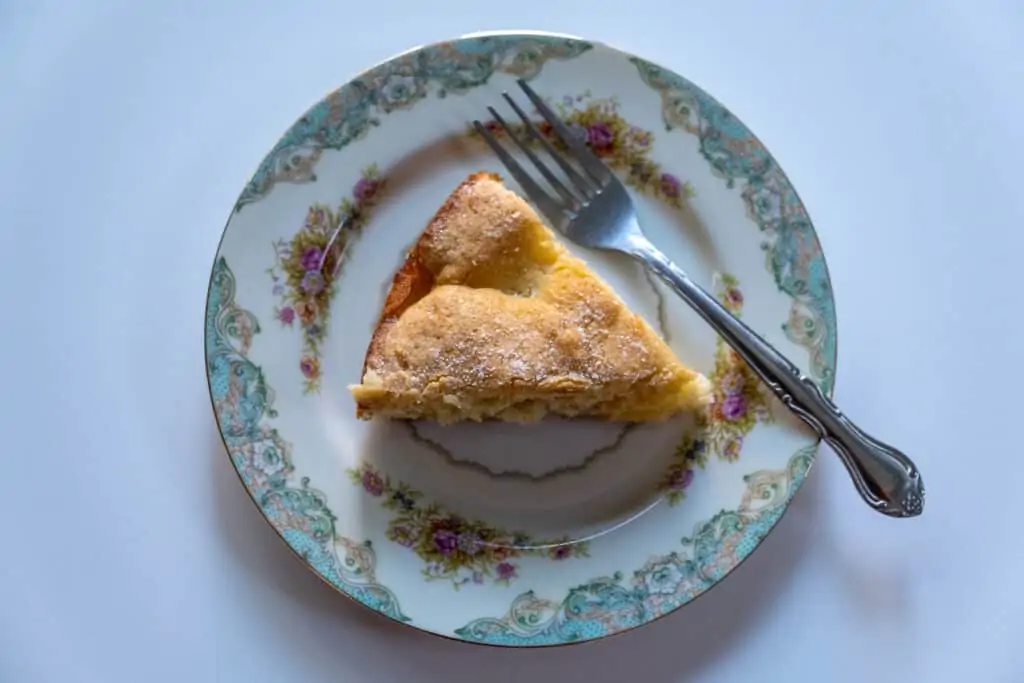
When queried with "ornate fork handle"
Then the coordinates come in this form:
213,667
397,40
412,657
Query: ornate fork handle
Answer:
885,477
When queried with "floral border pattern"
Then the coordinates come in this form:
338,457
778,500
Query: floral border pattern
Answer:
691,453
306,267
355,108
621,145
462,551
741,399
244,403
740,403
610,604
793,254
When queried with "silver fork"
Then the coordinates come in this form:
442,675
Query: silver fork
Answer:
594,209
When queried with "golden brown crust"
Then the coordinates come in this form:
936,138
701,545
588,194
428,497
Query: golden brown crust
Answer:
491,316
413,281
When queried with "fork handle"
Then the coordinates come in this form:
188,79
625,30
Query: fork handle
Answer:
885,478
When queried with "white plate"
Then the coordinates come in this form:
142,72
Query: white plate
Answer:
493,533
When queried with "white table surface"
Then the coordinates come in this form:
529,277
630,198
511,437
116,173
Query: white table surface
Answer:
131,552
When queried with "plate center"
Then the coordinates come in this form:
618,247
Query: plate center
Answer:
568,479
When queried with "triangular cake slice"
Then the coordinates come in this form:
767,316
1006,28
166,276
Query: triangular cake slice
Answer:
492,317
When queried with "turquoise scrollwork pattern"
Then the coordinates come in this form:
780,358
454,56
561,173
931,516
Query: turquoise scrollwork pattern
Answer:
615,603
685,567
793,254
348,113
243,403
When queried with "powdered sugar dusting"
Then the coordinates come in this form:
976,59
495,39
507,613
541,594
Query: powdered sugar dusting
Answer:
514,316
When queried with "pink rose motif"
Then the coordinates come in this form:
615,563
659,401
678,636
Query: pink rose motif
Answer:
670,186
311,258
372,483
310,367
734,297
561,552
506,571
446,541
734,407
365,189
286,315
600,135
680,479
306,310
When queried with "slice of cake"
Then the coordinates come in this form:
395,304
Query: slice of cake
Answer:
492,317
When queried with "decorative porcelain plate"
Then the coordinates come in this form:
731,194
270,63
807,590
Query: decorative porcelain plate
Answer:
545,534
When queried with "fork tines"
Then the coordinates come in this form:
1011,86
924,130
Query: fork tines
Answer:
585,183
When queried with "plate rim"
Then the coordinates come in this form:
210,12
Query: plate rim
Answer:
811,450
